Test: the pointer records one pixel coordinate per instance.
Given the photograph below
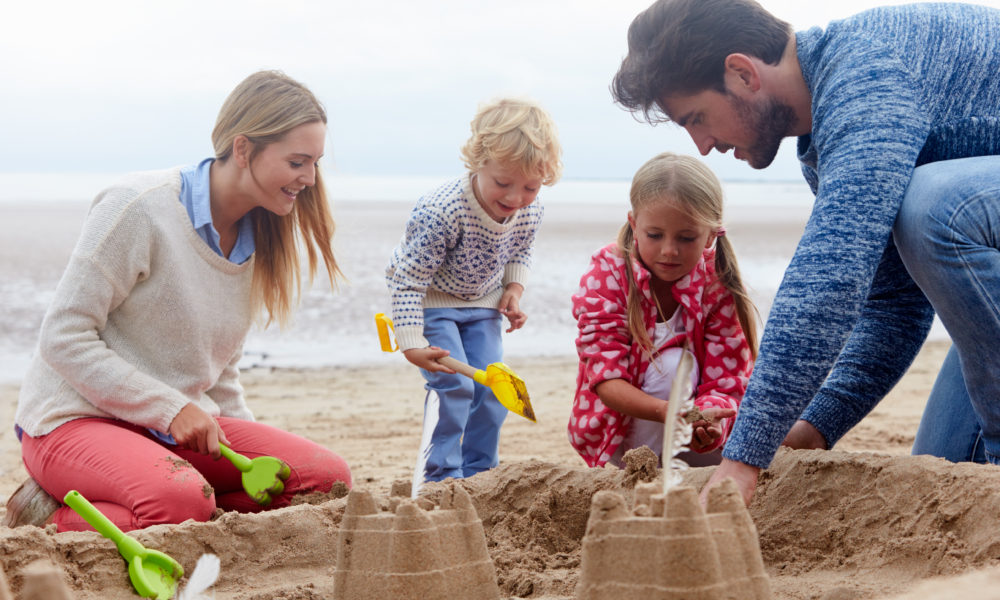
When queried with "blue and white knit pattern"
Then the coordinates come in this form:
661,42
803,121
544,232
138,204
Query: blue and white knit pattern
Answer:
454,255
892,88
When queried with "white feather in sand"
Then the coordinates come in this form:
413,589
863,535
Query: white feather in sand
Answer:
676,430
206,572
432,407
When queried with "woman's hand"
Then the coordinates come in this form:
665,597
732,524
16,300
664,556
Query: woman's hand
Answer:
426,358
706,428
196,430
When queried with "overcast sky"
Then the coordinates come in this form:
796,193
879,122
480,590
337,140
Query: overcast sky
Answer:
111,86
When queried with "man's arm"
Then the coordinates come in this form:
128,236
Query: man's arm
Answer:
868,130
892,328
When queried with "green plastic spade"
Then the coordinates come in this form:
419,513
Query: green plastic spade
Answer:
153,573
263,477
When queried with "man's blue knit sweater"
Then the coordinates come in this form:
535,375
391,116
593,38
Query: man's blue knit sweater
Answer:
892,88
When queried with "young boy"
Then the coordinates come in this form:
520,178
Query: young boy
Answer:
461,264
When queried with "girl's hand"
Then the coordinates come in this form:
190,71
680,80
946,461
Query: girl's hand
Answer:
510,306
196,430
706,428
426,358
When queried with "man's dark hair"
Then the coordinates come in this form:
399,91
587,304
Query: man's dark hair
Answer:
680,47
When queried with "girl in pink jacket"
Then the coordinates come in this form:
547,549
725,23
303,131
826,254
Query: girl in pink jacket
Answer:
669,285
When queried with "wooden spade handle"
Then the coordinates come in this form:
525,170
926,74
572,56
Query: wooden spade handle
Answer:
459,366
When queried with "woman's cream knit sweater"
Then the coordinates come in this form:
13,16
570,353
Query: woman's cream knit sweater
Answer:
146,318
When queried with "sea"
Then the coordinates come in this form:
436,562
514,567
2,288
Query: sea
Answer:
41,216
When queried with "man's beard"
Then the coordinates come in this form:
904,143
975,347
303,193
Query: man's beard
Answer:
768,123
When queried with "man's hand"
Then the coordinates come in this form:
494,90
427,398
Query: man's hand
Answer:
803,436
744,475
426,358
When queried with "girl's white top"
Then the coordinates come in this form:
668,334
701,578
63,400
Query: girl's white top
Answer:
659,379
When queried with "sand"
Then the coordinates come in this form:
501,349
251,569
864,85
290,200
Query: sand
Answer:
863,521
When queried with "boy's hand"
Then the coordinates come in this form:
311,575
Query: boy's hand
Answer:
426,358
510,306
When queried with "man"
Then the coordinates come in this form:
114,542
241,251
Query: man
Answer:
897,114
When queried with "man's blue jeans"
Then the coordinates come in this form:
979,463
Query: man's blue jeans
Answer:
948,235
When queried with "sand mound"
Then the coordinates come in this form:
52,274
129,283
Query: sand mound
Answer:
899,518
831,525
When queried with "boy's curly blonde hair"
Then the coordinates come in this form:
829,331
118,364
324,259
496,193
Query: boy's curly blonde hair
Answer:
515,132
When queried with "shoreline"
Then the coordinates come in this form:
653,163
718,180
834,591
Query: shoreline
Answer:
335,328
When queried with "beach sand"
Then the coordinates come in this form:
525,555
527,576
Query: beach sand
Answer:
863,521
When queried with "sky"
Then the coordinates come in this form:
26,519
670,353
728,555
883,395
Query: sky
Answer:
110,86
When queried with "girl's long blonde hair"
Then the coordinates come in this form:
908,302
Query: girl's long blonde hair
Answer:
264,107
685,180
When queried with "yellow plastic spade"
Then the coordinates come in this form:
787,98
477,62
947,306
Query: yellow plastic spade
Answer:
263,477
508,388
153,573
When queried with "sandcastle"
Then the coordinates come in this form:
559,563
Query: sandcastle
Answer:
413,553
709,554
42,581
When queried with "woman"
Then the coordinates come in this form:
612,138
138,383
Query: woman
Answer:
135,382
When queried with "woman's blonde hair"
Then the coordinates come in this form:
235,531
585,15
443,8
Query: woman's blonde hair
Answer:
264,108
690,185
514,132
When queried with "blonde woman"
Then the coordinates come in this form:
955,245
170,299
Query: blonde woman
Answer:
134,382
669,285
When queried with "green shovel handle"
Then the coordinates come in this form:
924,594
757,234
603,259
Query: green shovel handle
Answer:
128,546
239,461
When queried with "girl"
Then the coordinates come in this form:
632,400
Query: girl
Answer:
669,285
135,382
